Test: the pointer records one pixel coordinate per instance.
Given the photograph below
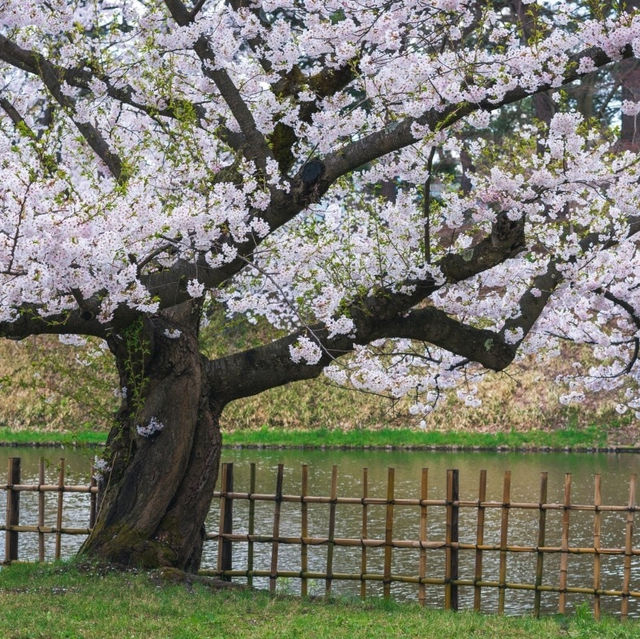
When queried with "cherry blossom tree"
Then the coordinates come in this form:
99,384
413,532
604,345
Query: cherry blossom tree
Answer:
162,161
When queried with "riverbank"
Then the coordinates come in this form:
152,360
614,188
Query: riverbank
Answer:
588,439
59,600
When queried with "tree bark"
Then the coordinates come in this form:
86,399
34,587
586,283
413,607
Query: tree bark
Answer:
164,451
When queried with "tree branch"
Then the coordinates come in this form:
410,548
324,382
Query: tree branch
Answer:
80,78
30,322
257,148
385,314
258,369
49,74
381,314
398,135
16,118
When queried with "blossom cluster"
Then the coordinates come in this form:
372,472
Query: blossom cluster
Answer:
152,427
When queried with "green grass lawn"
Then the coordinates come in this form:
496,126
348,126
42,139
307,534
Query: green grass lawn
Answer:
56,601
45,438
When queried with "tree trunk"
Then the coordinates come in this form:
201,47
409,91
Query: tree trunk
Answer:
163,454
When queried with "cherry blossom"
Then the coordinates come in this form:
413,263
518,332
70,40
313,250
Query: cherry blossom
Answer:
326,166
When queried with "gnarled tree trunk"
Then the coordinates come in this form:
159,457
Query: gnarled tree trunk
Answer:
163,454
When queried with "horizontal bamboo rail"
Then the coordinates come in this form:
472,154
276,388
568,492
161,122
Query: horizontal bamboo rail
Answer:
460,503
411,543
47,530
410,579
48,488
446,513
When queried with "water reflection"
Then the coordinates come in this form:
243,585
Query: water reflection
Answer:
523,525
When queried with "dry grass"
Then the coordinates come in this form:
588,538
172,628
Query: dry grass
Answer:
49,386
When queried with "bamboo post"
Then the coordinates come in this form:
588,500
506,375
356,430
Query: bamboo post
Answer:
304,533
276,530
451,541
252,522
41,480
363,556
542,524
597,524
227,523
13,511
564,544
388,534
477,577
92,498
221,517
332,529
59,510
628,546
424,495
504,531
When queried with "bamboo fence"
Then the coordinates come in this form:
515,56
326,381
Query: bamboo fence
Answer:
454,508
12,527
425,508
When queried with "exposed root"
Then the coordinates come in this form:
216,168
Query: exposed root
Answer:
177,576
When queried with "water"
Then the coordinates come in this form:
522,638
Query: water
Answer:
525,467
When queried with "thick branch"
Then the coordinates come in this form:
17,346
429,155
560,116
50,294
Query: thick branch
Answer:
325,83
302,192
258,369
385,314
382,314
29,322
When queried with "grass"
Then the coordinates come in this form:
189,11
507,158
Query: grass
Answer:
45,438
592,436
59,601
589,437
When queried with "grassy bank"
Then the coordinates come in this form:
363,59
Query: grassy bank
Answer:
589,437
55,393
28,437
574,438
53,602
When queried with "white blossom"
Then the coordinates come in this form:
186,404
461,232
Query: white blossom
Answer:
152,427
